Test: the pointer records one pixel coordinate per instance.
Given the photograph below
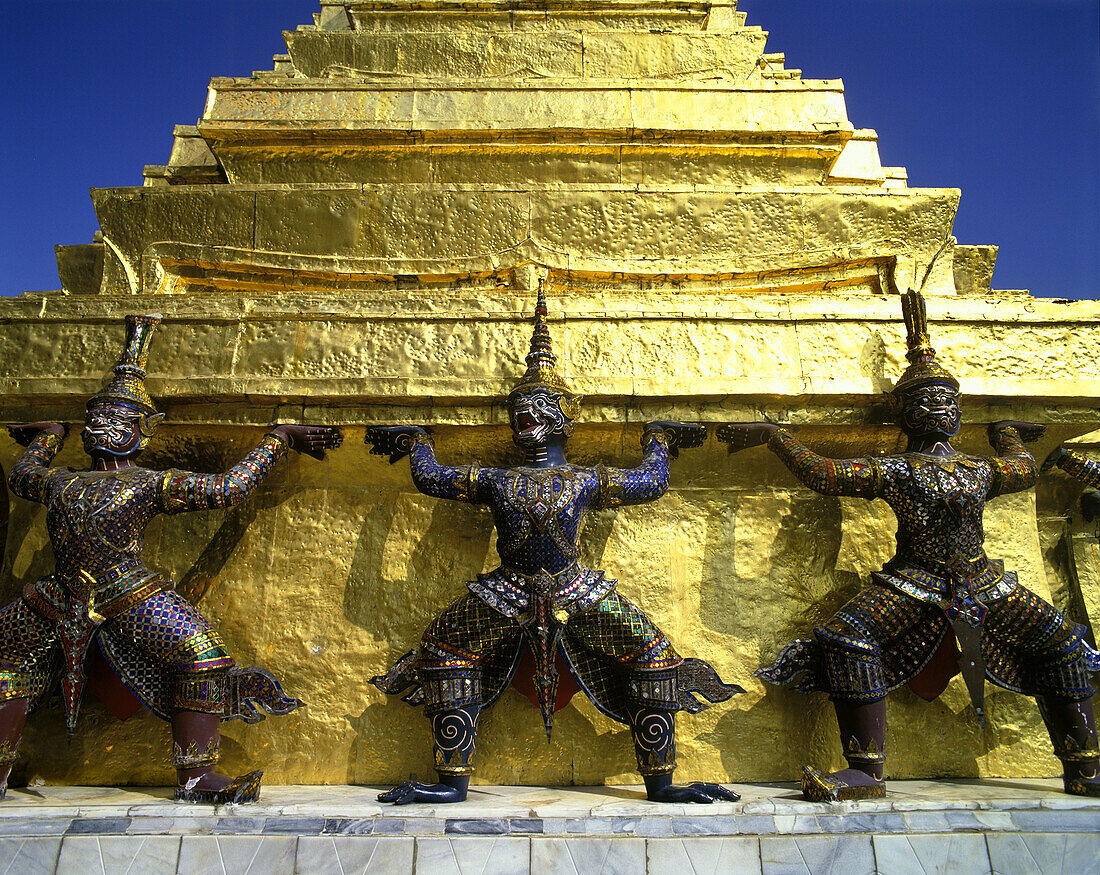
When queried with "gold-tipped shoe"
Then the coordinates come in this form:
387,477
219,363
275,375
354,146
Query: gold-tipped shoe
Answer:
1080,787
824,787
246,788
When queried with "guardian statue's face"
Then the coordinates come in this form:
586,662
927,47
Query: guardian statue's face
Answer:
113,429
536,418
931,410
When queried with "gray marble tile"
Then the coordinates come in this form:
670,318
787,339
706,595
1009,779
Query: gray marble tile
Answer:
29,856
348,826
931,854
654,827
237,855
756,824
393,826
594,826
525,826
555,826
239,825
704,856
476,826
965,821
588,856
999,821
786,824
927,821
1046,820
99,826
158,826
816,855
884,822
354,855
624,826
473,856
1047,854
34,826
425,826
711,825
299,826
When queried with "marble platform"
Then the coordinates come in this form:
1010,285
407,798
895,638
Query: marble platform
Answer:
996,826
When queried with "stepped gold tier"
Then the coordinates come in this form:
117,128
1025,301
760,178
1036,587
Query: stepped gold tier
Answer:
356,237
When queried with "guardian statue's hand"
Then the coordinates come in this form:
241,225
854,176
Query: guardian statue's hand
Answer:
680,435
743,435
1051,461
312,440
394,441
24,434
1028,431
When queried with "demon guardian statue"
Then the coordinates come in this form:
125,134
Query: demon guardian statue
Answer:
102,595
542,597
939,583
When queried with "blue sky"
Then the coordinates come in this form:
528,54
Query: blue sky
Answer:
1000,98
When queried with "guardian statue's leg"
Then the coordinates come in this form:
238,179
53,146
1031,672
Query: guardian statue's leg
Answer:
863,733
13,714
1072,727
448,669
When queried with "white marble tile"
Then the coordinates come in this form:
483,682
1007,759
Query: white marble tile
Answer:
488,855
588,856
847,854
107,855
995,820
703,856
1050,854
931,854
237,855
354,855
80,854
30,856
147,855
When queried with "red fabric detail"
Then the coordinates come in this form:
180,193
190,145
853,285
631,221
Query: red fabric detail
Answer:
943,666
108,686
524,679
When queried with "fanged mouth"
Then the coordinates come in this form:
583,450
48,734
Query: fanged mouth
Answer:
525,422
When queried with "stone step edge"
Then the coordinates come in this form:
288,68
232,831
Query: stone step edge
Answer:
852,821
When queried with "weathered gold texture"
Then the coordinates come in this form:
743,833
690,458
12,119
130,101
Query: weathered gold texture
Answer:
355,237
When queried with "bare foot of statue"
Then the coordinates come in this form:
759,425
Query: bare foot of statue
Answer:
659,788
408,792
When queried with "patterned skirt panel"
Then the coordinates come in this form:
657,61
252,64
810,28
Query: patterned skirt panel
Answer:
169,655
1031,647
622,660
878,641
29,652
464,633
883,638
468,652
616,629
467,656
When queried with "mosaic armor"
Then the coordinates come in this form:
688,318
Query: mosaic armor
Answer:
543,600
889,632
1081,468
101,593
542,595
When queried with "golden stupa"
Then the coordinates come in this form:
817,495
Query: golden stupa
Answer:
357,235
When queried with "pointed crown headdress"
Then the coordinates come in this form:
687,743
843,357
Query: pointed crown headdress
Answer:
128,384
923,368
541,370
